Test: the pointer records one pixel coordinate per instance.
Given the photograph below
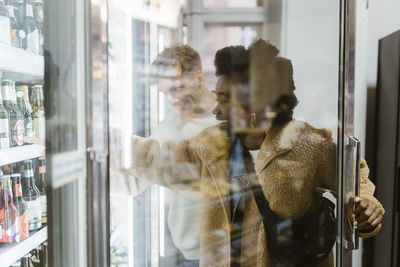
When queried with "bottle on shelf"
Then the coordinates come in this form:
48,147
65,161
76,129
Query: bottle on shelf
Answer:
4,126
13,22
29,108
42,187
22,105
39,18
5,25
31,29
16,121
21,205
44,262
9,213
31,195
16,264
19,127
38,112
26,261
20,5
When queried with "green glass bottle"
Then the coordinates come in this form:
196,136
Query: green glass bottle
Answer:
16,121
38,112
28,119
18,129
4,126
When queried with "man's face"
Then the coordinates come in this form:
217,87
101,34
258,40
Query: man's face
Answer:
182,93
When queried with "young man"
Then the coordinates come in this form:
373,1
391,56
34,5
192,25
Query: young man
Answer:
178,73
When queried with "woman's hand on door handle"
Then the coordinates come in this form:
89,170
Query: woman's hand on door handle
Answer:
368,215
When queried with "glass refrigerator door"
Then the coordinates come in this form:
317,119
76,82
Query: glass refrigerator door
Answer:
77,131
173,194
65,92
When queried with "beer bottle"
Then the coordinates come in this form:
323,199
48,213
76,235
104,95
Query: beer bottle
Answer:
38,112
35,258
19,128
4,126
5,29
38,11
42,187
21,205
39,18
31,29
44,262
26,261
13,23
20,11
9,212
16,264
32,196
28,120
29,108
16,123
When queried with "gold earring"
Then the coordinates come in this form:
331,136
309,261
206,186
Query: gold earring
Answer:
253,120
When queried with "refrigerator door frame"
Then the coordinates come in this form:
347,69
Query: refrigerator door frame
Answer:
344,250
97,127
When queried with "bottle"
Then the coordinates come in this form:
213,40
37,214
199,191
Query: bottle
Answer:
21,205
39,18
38,112
38,11
5,25
29,109
31,29
13,23
42,187
32,196
35,256
16,123
17,120
22,106
44,262
26,261
4,126
16,264
9,212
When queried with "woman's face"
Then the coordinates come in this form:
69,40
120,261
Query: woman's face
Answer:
223,107
233,110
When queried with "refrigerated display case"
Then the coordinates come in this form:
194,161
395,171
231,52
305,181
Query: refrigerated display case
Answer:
22,68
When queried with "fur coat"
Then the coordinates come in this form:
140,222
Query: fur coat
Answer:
292,161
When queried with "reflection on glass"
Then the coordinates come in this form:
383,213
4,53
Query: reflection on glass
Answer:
206,154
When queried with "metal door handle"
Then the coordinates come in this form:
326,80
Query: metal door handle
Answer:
355,143
95,155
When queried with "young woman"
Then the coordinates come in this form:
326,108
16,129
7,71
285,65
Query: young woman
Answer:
257,142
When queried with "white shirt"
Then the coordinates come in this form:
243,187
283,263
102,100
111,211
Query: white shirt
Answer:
184,206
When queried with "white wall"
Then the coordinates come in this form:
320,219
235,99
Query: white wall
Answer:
375,20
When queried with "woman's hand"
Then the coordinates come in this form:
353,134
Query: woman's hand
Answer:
368,215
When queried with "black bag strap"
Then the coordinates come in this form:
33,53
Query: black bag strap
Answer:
268,216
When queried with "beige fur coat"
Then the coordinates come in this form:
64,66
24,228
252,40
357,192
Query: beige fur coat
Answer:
292,161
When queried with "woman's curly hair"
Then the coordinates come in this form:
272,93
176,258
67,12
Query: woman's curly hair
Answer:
260,65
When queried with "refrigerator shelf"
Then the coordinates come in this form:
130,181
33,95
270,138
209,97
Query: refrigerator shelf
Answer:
15,61
16,154
13,252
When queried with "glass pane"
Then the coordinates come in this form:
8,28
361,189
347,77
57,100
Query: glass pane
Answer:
65,132
232,3
203,109
220,35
